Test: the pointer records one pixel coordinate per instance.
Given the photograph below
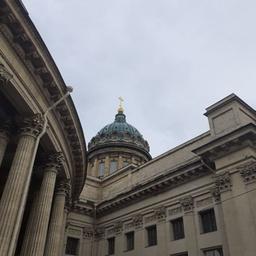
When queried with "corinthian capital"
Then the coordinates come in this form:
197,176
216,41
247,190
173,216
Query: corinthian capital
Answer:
5,128
187,203
5,75
33,125
63,187
223,182
248,172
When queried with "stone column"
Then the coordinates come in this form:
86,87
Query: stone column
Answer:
36,230
107,166
120,162
64,224
14,196
4,138
190,226
55,232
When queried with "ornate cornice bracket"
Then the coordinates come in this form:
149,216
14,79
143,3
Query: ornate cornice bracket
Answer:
187,203
248,172
137,221
223,182
160,213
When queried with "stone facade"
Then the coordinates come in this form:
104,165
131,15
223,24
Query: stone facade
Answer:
197,199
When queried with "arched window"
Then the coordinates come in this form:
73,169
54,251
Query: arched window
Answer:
113,166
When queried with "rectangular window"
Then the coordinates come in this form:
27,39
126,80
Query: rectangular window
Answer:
177,229
72,246
213,252
208,221
152,235
129,241
101,169
113,166
111,246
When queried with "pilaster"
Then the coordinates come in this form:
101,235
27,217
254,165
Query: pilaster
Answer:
187,204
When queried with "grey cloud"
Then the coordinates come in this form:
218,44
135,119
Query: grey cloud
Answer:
168,59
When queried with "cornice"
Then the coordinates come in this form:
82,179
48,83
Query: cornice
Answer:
33,52
228,143
159,184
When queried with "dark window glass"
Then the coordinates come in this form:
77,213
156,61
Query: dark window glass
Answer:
129,241
214,252
111,246
178,229
72,246
208,221
152,235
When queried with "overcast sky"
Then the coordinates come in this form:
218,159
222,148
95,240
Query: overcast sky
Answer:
169,60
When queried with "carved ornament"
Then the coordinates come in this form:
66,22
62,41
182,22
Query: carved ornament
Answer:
5,75
33,125
187,203
248,172
223,182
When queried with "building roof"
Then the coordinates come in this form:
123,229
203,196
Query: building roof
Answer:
119,132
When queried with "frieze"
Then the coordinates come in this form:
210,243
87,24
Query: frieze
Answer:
99,233
215,194
5,75
248,172
187,203
223,182
88,233
137,221
174,211
204,202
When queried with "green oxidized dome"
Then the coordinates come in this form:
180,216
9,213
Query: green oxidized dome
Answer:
119,132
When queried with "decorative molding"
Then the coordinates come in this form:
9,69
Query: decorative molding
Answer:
248,172
174,211
5,75
187,203
223,182
64,187
215,194
43,69
172,178
137,221
32,126
5,128
88,233
204,202
99,233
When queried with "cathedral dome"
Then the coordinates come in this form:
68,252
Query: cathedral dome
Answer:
119,133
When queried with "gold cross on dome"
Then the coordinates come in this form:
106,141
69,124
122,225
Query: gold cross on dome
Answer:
120,109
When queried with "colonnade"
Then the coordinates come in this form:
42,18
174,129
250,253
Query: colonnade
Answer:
45,223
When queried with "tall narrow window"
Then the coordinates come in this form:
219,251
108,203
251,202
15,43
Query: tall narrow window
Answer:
72,246
208,221
177,229
113,166
129,241
101,169
213,252
152,235
111,246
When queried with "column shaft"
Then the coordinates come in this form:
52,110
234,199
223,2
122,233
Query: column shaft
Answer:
36,231
3,144
55,233
11,204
